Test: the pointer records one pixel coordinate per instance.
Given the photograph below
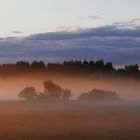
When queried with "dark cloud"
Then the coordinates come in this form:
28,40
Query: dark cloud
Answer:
104,31
111,43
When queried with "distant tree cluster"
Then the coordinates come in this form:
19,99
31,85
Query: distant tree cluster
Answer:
22,67
81,67
28,93
133,70
68,67
99,95
51,92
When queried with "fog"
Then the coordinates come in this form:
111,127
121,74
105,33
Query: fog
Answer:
73,119
125,87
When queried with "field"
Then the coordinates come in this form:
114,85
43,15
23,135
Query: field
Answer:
68,121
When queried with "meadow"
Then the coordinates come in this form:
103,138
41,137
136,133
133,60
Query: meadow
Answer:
69,120
20,120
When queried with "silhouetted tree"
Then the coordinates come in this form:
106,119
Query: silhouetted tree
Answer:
22,66
132,69
69,67
54,67
109,67
52,91
38,66
28,93
100,66
66,94
92,64
85,64
99,95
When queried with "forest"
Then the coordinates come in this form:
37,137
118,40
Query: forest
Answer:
69,68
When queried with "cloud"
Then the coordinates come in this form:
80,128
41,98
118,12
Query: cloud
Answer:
94,17
133,20
103,31
16,32
131,23
91,17
111,43
68,28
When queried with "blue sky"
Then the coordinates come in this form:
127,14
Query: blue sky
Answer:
58,30
35,16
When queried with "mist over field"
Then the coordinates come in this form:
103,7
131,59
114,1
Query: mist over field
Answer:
69,69
127,88
82,121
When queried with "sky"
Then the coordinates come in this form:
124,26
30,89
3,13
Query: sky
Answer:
55,30
35,16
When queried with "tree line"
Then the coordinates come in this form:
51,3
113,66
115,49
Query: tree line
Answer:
54,92
68,67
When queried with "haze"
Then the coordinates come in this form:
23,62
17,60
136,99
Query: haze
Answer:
125,87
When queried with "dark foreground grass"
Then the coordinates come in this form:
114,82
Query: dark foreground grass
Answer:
67,121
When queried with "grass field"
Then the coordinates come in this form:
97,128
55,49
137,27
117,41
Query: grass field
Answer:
68,121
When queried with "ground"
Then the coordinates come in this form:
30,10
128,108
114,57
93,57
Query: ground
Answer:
69,121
